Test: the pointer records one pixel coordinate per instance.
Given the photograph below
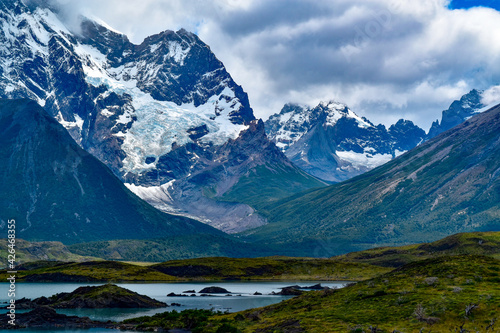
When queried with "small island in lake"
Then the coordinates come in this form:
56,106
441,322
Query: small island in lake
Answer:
105,296
214,290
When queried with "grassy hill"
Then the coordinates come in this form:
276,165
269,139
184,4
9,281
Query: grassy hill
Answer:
271,268
266,184
356,266
445,294
92,271
34,251
475,243
170,248
198,270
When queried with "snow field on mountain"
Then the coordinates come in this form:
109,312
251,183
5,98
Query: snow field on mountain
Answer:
363,160
159,124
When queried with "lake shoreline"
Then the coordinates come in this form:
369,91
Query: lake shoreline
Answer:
241,295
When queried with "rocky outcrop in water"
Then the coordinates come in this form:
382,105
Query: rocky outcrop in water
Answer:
105,296
214,290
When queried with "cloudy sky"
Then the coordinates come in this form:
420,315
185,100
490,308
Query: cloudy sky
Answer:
386,59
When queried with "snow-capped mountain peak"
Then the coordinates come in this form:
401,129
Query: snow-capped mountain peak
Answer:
295,120
459,111
336,110
155,125
143,99
333,143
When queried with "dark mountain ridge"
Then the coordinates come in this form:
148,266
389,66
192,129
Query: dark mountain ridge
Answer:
458,112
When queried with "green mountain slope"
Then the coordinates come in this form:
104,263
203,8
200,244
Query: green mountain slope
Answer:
57,191
269,268
53,271
203,269
170,248
447,185
265,184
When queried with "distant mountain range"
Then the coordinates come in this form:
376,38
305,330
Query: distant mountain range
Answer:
165,116
333,143
446,185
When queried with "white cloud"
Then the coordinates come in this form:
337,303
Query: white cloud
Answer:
385,58
491,96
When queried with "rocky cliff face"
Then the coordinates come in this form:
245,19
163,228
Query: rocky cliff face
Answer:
160,114
124,103
458,112
333,143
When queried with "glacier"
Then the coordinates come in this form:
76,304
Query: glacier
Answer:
158,125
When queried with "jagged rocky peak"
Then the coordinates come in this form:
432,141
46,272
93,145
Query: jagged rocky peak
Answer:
407,134
171,66
459,111
295,120
289,125
109,42
335,110
333,143
122,102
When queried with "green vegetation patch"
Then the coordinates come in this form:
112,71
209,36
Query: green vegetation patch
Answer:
195,321
216,268
267,183
33,251
87,271
169,248
439,295
476,243
278,268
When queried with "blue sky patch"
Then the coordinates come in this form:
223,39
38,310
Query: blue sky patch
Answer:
460,4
